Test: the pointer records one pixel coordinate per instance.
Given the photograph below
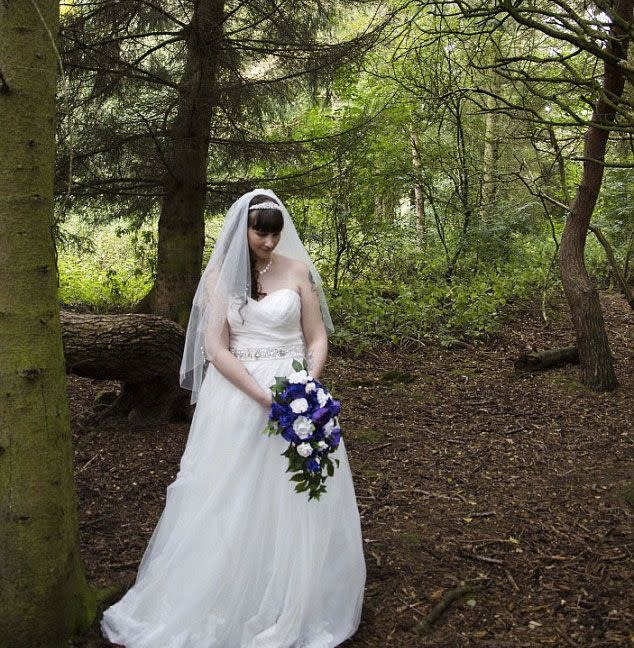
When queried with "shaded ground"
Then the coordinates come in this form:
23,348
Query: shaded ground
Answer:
465,472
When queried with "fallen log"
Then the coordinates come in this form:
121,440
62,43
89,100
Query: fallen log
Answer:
142,351
542,360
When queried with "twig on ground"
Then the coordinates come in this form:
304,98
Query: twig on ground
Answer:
486,559
511,580
482,515
441,607
379,447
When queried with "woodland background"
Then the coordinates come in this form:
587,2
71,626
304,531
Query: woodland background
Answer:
461,173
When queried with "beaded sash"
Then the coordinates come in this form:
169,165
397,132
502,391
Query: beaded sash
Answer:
266,353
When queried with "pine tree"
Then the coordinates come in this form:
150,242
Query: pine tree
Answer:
44,597
168,101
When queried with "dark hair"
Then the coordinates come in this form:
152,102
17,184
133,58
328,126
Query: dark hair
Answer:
263,220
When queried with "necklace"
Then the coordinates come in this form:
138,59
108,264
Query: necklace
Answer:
265,269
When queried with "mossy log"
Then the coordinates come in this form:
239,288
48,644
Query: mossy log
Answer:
142,351
542,360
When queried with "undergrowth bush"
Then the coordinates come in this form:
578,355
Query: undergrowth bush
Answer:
403,298
469,308
105,268
82,282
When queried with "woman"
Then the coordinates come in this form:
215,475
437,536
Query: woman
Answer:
238,559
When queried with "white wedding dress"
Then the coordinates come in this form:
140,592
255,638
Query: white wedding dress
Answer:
238,559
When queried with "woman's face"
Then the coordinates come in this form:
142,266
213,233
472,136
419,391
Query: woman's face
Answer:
261,243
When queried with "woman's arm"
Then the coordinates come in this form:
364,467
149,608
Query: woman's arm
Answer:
312,324
234,371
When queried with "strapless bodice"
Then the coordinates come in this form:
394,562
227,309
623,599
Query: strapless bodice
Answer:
273,321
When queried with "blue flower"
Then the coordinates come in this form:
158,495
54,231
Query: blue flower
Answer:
334,406
313,465
289,434
335,437
277,411
283,414
294,391
320,416
287,419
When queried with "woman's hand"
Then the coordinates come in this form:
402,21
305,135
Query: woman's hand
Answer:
267,399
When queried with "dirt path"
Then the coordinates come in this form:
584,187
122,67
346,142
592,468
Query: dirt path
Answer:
465,472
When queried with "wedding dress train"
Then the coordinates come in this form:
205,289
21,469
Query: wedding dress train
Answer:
238,559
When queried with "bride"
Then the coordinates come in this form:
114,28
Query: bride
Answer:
238,559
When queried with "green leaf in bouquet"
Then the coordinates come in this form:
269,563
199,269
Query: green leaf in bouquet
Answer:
297,365
330,468
316,492
296,462
300,488
299,477
337,462
271,428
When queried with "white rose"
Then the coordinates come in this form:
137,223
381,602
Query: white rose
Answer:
310,387
303,427
322,445
298,377
299,405
328,428
304,449
322,397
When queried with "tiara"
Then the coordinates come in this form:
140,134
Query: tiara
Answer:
269,204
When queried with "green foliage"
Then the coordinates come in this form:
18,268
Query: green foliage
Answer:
105,268
350,185
85,283
429,308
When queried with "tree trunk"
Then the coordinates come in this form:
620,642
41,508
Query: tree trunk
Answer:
628,256
419,196
142,351
44,596
490,152
616,271
597,370
181,229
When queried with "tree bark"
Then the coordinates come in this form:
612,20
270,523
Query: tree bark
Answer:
142,351
489,161
419,196
44,596
596,362
616,271
181,229
490,151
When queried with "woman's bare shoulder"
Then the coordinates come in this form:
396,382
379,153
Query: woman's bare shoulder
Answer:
292,265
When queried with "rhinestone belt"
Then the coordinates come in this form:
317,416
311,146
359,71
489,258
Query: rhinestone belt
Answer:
265,353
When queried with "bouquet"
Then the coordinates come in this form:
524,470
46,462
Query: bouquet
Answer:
305,414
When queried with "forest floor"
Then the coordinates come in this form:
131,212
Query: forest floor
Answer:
466,473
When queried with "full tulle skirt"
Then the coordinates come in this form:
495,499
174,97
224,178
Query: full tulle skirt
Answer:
238,559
